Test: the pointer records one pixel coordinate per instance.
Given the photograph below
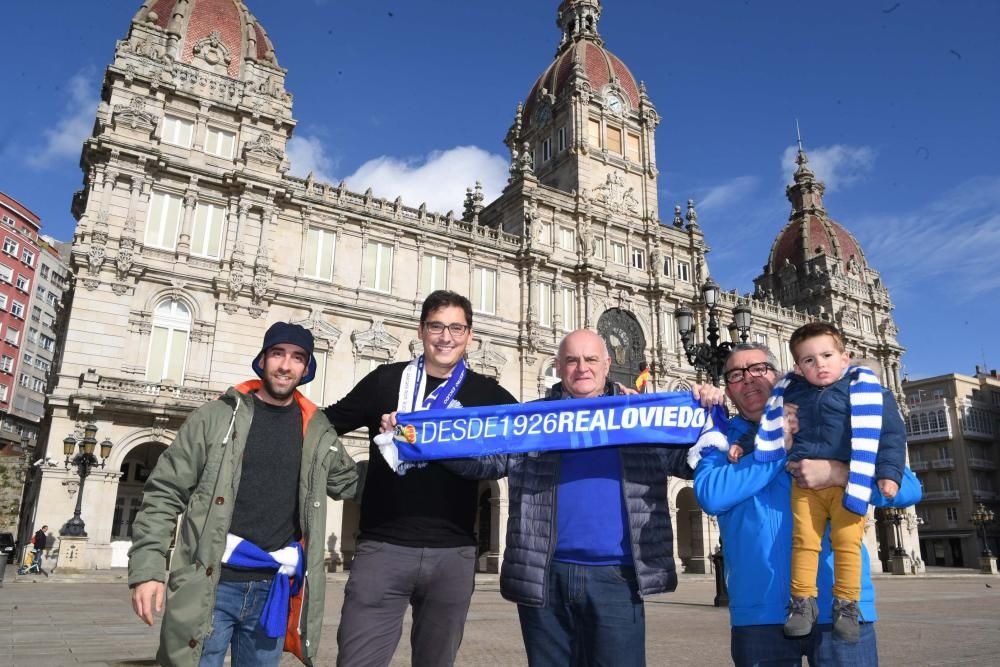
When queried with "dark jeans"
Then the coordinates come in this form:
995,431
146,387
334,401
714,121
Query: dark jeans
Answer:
766,646
385,579
236,624
594,617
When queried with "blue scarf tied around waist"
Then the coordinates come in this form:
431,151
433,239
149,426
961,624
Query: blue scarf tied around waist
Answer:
287,565
665,419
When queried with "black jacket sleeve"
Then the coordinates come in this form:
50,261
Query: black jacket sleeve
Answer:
355,410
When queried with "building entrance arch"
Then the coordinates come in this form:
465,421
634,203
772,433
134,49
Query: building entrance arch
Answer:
135,469
626,344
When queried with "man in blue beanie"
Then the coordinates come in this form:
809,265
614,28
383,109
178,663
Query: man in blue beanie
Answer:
248,472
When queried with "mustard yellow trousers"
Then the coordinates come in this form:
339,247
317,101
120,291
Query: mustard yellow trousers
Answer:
811,510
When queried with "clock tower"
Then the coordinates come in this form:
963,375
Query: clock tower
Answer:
586,123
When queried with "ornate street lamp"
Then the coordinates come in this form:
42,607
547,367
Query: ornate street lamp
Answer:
710,356
85,461
980,518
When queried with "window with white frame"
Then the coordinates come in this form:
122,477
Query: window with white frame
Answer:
37,384
13,335
27,359
6,364
169,342
206,234
43,364
315,390
9,221
51,298
177,131
545,296
22,283
684,271
378,266
435,276
24,380
32,335
484,290
545,235
321,246
547,149
618,253
866,323
28,257
17,309
3,302
44,270
952,514
4,389
219,142
163,220
48,343
638,259
569,309
760,338
10,246
667,267
599,247
6,273
567,239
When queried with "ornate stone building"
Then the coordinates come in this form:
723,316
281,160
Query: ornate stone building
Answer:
192,238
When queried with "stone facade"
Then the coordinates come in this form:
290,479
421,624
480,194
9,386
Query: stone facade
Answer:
192,238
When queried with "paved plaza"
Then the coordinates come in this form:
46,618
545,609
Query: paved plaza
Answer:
939,619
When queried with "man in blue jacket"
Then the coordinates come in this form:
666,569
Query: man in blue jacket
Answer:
753,503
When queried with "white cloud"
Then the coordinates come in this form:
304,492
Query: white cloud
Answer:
307,154
439,179
946,250
837,166
65,139
726,194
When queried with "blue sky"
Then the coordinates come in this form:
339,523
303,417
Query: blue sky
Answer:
897,102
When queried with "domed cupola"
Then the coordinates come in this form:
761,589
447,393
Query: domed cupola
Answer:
581,52
218,35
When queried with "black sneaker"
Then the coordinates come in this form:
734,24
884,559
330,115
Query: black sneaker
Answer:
802,613
845,620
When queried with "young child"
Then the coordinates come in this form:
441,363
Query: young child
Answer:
844,414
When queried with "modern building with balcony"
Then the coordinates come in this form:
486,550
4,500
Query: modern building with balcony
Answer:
953,437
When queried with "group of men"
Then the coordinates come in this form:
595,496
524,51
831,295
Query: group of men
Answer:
589,534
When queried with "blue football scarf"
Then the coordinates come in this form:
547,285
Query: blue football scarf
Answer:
667,419
286,563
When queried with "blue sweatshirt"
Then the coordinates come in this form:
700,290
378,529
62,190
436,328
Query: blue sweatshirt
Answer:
753,503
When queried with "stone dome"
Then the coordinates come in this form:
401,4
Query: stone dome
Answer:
222,33
582,44
809,237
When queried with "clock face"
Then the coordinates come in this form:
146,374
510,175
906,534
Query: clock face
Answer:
543,116
615,103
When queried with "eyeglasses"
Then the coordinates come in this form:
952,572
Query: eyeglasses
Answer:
737,375
437,328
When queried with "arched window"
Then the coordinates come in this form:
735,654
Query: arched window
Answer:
169,342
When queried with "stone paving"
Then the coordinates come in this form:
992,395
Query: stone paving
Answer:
939,619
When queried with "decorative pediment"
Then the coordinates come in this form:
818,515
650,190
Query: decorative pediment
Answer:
134,115
487,360
321,330
262,150
376,342
615,196
213,52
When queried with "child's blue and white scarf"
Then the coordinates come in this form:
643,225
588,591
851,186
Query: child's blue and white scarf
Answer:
287,564
866,428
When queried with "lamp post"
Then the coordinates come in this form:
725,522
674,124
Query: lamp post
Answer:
980,517
898,556
85,461
710,356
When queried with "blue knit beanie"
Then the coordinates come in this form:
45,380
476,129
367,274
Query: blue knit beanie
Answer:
285,332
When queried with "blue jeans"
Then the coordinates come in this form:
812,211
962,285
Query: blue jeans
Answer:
236,623
767,646
594,616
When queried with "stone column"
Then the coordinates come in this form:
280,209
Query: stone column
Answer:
184,238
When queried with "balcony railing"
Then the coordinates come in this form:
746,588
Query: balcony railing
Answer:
919,466
978,494
979,464
943,464
933,496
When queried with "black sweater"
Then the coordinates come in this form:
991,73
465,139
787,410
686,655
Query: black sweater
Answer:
428,506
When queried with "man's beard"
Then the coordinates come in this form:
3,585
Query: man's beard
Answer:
274,392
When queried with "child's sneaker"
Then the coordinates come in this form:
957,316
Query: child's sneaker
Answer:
845,620
802,613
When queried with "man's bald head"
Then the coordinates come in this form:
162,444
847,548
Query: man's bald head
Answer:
583,363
